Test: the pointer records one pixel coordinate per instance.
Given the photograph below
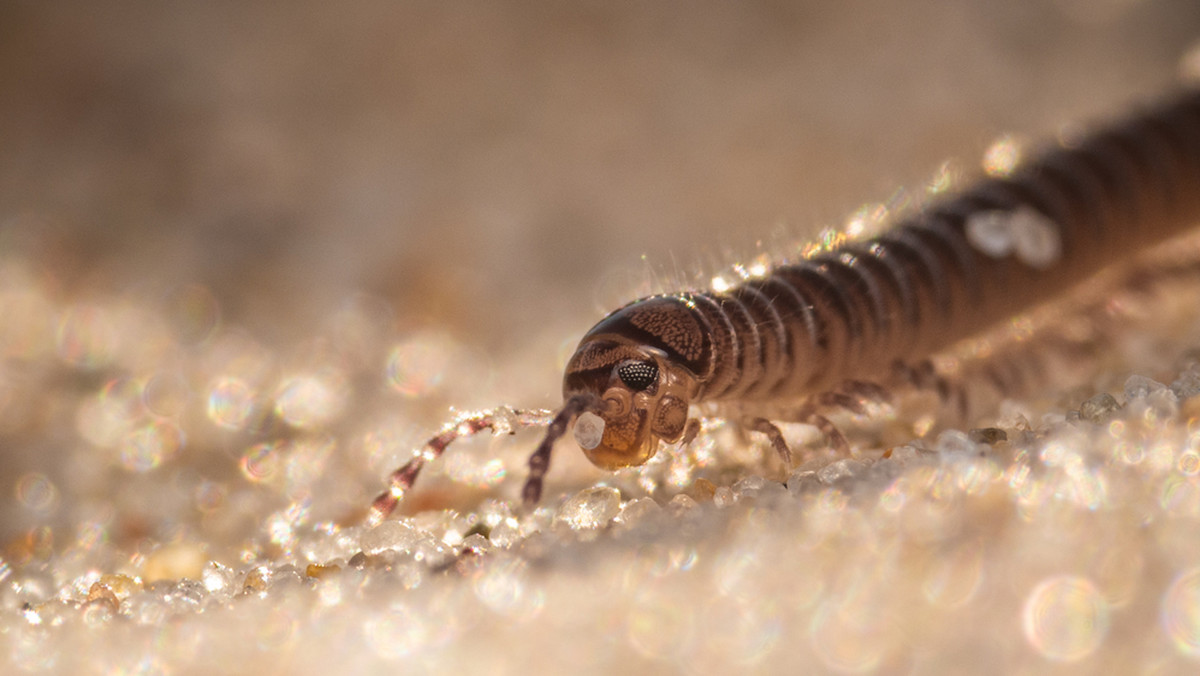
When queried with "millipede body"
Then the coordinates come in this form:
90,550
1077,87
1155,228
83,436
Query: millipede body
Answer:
849,314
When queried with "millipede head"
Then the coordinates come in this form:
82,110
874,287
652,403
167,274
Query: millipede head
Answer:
643,390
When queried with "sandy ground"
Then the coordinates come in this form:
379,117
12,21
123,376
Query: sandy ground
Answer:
251,255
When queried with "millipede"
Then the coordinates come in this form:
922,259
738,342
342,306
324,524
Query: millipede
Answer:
816,333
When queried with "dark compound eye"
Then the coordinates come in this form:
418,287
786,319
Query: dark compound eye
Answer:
638,375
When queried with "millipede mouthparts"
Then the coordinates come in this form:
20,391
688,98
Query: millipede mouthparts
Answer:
812,332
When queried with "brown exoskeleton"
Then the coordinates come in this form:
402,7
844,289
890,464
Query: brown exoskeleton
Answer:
851,313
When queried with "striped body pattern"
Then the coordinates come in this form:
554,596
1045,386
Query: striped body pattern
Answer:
851,313
937,277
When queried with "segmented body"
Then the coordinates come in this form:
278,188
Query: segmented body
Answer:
941,275
849,313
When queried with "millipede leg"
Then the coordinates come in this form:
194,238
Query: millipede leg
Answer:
835,436
767,428
923,376
690,432
499,421
841,400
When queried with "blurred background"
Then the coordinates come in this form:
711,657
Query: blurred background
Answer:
482,166
317,179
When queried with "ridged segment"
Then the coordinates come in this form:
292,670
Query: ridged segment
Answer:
922,285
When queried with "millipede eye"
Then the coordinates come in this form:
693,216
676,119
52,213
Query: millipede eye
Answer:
638,375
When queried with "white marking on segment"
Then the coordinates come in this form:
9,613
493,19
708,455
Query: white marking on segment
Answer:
1030,236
